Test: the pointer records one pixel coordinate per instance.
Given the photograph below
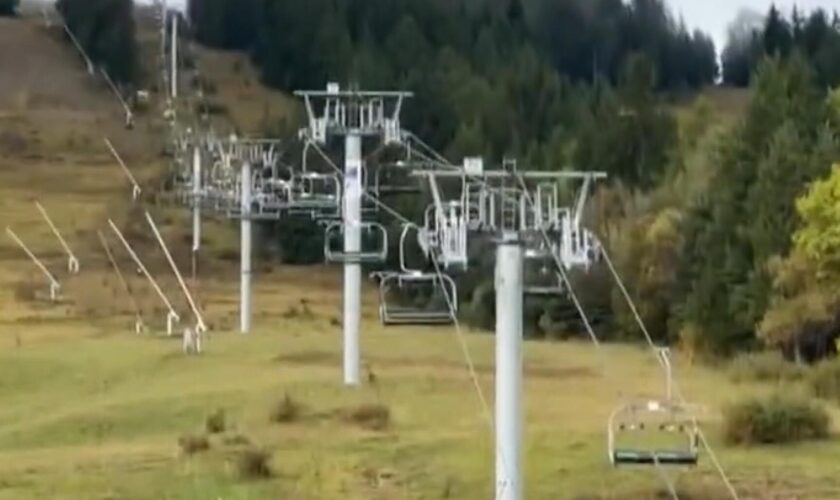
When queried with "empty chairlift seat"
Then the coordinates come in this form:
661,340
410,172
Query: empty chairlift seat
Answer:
373,243
316,195
414,297
657,433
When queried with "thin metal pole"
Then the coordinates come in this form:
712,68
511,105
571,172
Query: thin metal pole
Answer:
352,215
196,232
174,57
163,29
72,261
172,317
665,359
245,250
200,326
138,321
135,189
55,286
509,297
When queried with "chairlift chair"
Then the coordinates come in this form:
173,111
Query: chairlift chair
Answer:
542,279
446,231
317,195
272,194
666,419
408,280
393,314
334,240
655,417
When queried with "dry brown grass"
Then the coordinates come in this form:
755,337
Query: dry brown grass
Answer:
234,84
192,444
287,410
254,463
372,416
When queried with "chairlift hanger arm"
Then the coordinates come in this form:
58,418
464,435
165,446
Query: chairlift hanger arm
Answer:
580,205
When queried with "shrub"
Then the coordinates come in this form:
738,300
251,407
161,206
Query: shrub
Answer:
763,367
375,417
216,422
287,410
254,463
774,420
193,443
825,380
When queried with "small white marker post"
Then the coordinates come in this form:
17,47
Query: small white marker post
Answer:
55,286
72,261
135,189
200,327
172,317
139,327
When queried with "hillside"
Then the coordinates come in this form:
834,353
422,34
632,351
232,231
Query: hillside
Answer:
91,410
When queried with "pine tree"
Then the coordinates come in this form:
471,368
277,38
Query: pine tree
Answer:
106,30
778,38
8,7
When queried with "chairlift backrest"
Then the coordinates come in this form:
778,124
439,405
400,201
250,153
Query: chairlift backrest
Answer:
654,417
334,233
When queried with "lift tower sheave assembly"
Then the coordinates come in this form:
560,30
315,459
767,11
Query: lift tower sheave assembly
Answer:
353,115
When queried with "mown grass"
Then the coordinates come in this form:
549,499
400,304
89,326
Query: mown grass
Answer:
115,408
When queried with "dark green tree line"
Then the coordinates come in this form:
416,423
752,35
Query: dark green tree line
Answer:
106,30
8,7
815,36
747,217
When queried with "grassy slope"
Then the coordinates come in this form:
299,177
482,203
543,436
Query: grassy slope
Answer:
90,410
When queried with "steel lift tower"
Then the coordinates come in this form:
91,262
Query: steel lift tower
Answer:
353,115
521,213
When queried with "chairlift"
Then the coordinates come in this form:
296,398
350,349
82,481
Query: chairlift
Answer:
579,247
447,233
660,420
432,284
317,195
542,279
440,290
334,240
479,203
272,194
